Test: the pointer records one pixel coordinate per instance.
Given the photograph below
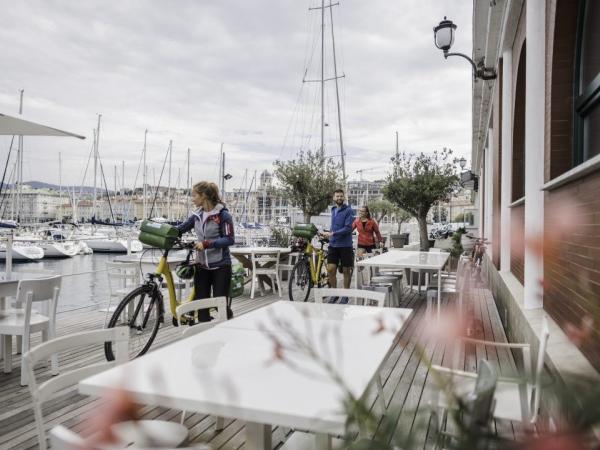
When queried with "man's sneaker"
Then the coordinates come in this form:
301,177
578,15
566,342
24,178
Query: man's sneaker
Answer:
344,301
333,300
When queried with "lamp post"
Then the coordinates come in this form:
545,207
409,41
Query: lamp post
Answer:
443,35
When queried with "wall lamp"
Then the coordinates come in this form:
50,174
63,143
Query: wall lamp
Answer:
443,36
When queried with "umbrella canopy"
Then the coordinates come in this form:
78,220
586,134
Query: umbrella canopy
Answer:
13,126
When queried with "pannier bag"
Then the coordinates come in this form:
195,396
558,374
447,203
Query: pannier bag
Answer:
238,274
160,235
305,230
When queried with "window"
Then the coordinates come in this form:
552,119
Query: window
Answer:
587,82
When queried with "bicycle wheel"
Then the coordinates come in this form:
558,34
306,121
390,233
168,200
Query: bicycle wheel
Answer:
300,281
142,311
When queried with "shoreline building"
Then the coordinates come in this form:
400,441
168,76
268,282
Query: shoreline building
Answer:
536,150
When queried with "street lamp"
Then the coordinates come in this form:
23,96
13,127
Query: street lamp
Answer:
462,162
443,36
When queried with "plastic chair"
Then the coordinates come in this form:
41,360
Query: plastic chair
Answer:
62,438
23,322
454,287
478,404
217,302
170,433
45,390
353,295
292,258
258,268
123,277
517,399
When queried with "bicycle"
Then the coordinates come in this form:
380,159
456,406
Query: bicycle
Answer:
309,270
142,310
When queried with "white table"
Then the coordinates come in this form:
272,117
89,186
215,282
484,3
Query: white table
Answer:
399,259
230,370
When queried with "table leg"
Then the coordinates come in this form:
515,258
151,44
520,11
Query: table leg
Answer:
258,436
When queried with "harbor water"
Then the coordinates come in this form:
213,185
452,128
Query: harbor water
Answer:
84,283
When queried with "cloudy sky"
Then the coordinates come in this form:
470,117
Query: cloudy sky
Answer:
204,72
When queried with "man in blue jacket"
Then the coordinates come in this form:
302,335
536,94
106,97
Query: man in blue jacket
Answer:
340,240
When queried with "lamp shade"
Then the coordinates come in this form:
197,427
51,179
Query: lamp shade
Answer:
444,34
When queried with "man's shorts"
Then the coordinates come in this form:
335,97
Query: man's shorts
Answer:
343,254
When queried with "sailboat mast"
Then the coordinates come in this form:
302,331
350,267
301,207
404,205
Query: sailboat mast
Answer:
322,77
188,180
122,190
222,171
96,145
337,94
60,185
169,186
145,181
20,163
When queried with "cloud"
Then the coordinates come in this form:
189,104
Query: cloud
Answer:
202,73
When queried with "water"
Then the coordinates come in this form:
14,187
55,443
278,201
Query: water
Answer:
90,289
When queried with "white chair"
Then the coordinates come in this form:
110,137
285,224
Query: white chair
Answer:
353,295
62,438
287,268
44,391
369,297
517,399
23,322
195,305
123,277
272,271
478,405
217,302
170,434
453,286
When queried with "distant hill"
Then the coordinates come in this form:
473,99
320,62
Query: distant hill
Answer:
56,187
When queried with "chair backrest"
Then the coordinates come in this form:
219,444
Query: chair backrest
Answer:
353,295
539,369
261,258
8,288
480,403
38,290
216,302
45,390
122,274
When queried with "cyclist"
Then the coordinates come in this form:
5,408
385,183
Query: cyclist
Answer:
340,240
214,228
369,236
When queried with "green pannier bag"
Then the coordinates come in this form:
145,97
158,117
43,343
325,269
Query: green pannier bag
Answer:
160,235
305,230
238,274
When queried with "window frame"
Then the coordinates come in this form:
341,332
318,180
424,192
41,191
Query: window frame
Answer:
585,98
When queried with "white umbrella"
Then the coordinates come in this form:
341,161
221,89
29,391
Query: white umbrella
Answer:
19,127
12,126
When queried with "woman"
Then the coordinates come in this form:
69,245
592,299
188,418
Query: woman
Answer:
369,236
214,228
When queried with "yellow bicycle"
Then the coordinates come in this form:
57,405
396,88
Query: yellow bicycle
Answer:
142,310
310,270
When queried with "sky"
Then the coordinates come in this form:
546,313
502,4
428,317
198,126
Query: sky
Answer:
206,72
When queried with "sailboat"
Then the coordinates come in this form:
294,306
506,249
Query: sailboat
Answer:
105,239
21,251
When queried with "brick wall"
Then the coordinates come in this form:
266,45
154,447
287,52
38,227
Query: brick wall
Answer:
572,266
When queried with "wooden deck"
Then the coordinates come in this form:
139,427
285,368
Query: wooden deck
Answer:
405,375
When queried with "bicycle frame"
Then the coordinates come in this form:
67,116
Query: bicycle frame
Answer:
164,270
315,261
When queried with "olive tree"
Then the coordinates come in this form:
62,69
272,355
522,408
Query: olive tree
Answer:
308,182
381,208
417,181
